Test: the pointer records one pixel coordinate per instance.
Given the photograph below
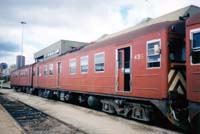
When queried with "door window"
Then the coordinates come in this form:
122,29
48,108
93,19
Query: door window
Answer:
195,48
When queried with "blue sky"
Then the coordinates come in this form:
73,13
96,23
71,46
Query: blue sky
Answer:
84,20
124,11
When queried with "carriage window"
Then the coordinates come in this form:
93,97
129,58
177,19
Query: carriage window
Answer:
38,71
176,50
99,62
33,72
195,53
50,69
153,54
84,64
119,59
45,70
72,66
59,67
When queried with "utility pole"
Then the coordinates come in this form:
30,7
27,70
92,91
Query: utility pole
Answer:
23,23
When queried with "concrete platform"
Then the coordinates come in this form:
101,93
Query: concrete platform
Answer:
8,124
87,120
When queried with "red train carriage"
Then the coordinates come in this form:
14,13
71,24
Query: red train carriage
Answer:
193,67
44,74
14,78
132,74
21,79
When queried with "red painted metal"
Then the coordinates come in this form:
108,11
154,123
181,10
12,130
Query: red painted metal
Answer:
14,80
145,83
40,79
193,71
22,77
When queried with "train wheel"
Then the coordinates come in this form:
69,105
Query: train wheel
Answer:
178,109
178,117
94,102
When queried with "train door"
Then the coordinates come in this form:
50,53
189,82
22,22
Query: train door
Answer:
59,71
194,67
37,76
123,69
29,75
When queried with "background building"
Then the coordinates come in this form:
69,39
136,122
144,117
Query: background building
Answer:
58,48
20,61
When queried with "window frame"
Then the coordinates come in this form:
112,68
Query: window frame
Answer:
192,32
99,53
70,60
50,69
83,65
60,68
38,71
45,69
147,44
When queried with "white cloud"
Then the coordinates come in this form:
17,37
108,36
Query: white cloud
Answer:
28,55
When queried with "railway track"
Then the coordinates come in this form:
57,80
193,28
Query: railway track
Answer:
33,121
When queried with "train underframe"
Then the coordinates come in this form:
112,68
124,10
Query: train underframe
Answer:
194,110
145,110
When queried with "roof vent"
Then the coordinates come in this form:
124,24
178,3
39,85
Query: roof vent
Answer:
184,17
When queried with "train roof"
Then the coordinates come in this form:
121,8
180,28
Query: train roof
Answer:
127,37
193,20
21,68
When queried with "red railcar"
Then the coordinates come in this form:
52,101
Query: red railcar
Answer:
132,73
193,67
14,78
22,78
44,74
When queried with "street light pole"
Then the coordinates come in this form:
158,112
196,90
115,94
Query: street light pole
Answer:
23,23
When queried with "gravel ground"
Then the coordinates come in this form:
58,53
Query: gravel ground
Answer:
7,124
52,126
90,121
33,121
